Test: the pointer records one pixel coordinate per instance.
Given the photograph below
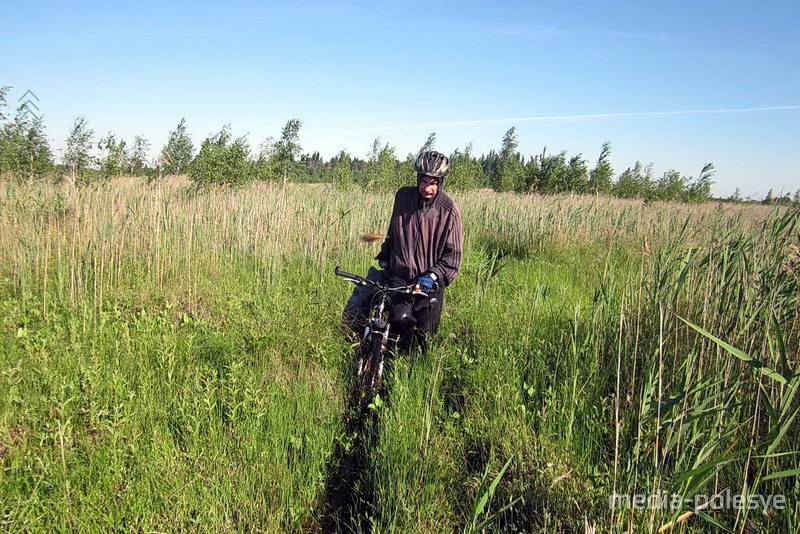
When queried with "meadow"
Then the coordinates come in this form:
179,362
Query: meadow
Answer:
172,361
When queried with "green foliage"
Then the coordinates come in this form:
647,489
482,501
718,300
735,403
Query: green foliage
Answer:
4,89
24,149
24,152
286,152
176,156
429,144
700,190
311,168
466,173
380,170
490,164
342,175
263,165
77,155
547,173
552,173
137,158
222,161
634,182
601,177
670,187
510,170
114,160
577,175
404,172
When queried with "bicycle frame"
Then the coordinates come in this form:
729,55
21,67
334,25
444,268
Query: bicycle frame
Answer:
376,331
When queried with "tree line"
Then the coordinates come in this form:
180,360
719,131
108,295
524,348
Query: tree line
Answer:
222,159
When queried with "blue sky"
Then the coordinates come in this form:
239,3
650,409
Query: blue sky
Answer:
354,71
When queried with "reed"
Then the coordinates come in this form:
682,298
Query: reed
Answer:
171,361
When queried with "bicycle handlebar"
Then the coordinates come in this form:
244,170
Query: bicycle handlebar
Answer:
361,281
344,274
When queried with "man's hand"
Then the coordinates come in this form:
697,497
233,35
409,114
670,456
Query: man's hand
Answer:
426,282
383,264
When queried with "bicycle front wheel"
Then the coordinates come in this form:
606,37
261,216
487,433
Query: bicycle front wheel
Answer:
372,371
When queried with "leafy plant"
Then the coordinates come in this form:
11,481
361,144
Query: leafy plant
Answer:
222,161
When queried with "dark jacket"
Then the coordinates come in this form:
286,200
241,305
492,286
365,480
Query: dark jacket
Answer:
424,236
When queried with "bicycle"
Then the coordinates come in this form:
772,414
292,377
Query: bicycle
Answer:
371,353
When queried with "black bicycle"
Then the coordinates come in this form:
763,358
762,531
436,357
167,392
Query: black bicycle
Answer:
371,353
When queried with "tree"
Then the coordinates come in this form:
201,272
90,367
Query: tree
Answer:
177,153
466,173
24,149
4,89
114,159
490,164
287,150
635,182
700,189
548,173
404,172
77,157
736,197
222,161
510,173
670,187
262,167
380,170
342,171
429,144
137,158
577,176
312,168
600,178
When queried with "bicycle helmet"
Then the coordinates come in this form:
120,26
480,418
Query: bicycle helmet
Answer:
433,164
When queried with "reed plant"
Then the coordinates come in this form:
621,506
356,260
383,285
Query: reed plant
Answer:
172,361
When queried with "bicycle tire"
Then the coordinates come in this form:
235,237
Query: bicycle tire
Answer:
372,370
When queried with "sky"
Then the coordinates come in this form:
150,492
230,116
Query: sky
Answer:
676,84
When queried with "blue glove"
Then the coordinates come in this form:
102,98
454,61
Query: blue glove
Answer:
426,283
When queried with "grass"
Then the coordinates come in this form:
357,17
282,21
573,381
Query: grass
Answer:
171,361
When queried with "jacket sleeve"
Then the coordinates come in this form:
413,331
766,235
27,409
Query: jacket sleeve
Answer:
447,266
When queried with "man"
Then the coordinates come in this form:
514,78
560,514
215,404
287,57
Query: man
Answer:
424,247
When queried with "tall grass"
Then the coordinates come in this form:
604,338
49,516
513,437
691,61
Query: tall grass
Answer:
171,361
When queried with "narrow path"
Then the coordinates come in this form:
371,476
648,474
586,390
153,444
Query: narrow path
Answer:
349,495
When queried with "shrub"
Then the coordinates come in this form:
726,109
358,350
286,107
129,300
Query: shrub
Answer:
222,161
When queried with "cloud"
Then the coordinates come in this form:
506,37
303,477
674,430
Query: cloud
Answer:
557,118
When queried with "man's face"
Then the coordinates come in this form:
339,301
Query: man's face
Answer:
428,187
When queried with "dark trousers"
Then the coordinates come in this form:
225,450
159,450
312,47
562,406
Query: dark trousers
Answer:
416,319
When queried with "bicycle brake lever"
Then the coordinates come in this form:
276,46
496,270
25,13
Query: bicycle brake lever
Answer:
418,292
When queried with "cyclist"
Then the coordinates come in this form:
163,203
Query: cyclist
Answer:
423,246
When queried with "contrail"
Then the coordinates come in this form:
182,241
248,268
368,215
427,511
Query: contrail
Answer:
559,118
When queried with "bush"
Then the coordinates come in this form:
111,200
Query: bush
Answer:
222,161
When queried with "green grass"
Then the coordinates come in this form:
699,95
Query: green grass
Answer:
172,361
